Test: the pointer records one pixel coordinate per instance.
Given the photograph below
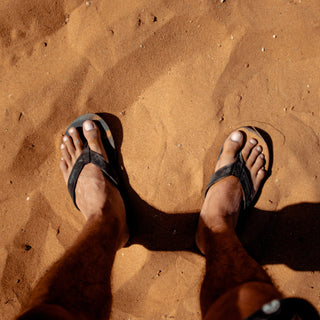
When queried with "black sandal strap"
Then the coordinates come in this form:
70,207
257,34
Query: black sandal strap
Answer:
89,156
239,170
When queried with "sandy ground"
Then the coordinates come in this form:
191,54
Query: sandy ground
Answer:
173,78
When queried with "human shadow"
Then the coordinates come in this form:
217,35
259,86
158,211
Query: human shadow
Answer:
289,236
150,227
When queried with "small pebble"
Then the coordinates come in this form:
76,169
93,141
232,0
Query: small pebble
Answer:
88,3
28,198
222,1
141,45
274,36
179,145
231,37
308,85
263,49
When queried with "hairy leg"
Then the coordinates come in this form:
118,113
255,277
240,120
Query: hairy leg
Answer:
78,285
235,285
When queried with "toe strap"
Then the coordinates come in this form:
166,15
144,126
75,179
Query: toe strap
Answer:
239,170
90,156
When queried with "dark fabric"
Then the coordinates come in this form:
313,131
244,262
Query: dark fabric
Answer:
89,156
239,170
286,309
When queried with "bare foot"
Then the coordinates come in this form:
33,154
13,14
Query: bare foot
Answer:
221,207
95,195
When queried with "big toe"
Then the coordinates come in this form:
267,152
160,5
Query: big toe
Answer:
231,147
92,134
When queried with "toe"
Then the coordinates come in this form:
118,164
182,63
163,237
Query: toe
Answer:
250,144
261,174
258,164
65,154
254,154
67,141
230,149
92,134
258,179
77,142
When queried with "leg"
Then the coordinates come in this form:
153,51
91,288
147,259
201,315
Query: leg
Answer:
78,285
234,285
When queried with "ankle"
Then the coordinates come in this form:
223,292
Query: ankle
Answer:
209,229
223,205
215,221
94,215
110,229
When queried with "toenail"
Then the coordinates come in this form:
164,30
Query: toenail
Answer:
88,126
236,136
261,156
259,149
252,141
65,139
72,130
62,146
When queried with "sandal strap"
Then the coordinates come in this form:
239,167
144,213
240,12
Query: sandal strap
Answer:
239,170
90,156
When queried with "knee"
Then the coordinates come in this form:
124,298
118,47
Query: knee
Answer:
253,295
242,301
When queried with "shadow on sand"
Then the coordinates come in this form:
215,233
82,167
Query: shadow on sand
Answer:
289,236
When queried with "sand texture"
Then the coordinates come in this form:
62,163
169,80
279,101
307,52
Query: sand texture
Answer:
172,78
